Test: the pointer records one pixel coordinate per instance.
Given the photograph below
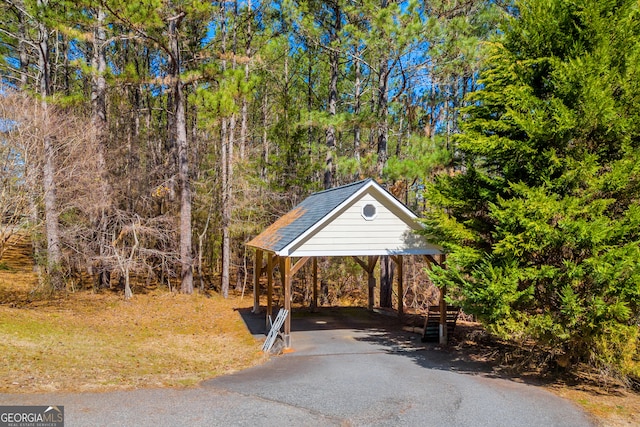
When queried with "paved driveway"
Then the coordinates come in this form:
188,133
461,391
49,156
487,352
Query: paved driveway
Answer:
343,372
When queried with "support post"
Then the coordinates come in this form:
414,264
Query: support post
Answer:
257,272
269,285
314,302
286,274
443,307
398,260
372,285
371,281
373,260
443,316
283,271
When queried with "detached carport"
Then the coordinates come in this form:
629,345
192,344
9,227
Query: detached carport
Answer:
361,220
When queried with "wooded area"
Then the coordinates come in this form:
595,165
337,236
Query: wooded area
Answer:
204,121
152,139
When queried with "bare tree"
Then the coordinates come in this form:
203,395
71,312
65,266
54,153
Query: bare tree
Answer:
21,165
168,41
74,161
142,246
14,197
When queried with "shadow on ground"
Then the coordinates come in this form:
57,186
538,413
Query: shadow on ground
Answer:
466,352
323,318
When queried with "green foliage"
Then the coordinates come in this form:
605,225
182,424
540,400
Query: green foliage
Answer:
422,158
223,100
292,164
356,167
541,218
141,15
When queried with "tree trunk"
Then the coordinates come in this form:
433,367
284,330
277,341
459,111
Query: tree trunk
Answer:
31,168
383,112
334,58
225,159
54,259
99,119
382,108
356,110
54,253
311,53
227,204
245,103
201,238
186,262
227,208
265,139
23,54
99,83
244,120
331,131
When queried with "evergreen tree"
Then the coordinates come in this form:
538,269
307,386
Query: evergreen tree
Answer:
541,216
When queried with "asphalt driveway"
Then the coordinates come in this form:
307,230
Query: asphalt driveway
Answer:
360,370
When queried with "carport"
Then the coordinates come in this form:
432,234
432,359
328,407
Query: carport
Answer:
361,220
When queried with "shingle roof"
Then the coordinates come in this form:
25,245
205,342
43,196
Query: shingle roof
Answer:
305,215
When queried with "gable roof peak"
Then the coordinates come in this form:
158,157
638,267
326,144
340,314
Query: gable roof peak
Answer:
357,184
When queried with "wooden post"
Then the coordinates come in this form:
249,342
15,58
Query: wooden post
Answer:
314,302
286,274
257,272
443,316
371,280
443,308
398,261
283,271
373,260
372,285
269,285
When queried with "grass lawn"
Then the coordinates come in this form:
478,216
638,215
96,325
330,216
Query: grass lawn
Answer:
101,342
98,342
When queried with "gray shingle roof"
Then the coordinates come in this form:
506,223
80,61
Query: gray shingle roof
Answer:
305,215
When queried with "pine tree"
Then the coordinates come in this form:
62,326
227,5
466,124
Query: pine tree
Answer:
541,215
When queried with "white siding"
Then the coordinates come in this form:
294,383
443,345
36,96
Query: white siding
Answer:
349,233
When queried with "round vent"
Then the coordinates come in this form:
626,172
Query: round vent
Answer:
369,211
